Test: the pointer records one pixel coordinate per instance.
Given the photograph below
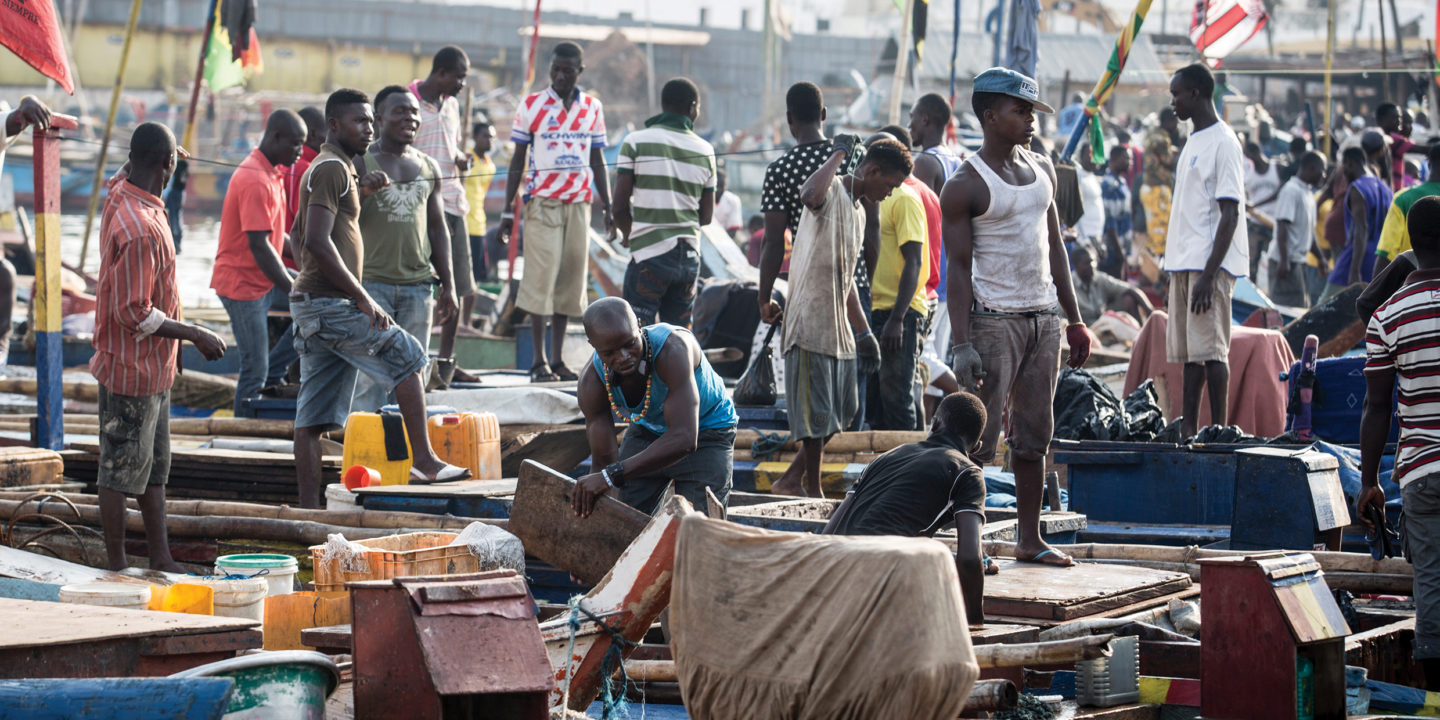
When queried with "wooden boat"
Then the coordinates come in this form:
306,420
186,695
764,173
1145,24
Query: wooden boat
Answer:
627,600
201,698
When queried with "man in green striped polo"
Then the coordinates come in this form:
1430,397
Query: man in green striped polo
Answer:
664,193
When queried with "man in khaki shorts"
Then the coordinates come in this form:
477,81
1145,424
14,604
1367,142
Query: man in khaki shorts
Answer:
560,131
1206,247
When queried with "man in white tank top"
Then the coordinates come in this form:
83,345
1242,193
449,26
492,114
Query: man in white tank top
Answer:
1009,280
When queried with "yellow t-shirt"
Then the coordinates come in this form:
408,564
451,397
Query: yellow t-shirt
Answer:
1394,235
477,183
902,221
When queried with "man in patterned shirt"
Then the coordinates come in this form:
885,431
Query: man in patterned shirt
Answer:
1119,218
137,329
559,132
442,137
664,193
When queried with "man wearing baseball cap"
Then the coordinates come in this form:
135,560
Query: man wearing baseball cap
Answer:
1009,282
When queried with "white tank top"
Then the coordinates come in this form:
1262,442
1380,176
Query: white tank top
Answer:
1010,264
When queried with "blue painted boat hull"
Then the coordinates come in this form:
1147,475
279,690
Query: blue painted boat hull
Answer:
115,698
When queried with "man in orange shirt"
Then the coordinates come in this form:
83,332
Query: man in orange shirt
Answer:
249,274
137,329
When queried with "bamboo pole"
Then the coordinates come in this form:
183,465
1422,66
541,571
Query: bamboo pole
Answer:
199,75
1329,61
365,519
1330,562
1042,653
902,60
109,128
876,441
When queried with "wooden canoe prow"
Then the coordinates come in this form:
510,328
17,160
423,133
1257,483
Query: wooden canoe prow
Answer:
629,598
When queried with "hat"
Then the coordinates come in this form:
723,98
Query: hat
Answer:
1372,141
1008,82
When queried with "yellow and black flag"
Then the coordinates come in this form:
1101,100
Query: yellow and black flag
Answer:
918,18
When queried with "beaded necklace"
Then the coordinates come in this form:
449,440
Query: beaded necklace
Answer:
610,391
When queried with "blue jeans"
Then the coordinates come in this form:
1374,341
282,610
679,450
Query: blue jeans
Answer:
412,307
336,341
260,364
892,400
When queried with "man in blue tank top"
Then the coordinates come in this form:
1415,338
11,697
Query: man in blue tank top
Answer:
682,422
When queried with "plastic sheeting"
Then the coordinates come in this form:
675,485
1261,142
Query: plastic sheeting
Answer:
513,405
1086,409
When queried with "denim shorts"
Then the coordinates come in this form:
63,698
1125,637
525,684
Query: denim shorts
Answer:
335,342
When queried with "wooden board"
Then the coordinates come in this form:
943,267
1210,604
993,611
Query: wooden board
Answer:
40,624
1050,593
585,547
562,449
484,488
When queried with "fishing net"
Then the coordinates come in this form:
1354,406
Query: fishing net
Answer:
348,553
494,547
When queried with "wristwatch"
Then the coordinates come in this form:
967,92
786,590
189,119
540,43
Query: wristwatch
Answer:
615,472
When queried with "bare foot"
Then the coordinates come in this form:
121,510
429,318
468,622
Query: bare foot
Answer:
169,567
788,485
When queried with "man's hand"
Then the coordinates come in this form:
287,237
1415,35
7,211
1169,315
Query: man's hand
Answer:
372,183
966,365
893,334
588,490
446,307
770,311
210,345
867,353
462,162
502,233
1283,270
32,112
610,229
378,318
1077,336
1370,496
1200,294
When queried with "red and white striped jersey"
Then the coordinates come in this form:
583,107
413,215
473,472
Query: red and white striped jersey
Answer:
560,141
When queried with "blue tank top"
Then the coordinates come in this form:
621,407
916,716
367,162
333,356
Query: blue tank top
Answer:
949,163
716,409
1377,197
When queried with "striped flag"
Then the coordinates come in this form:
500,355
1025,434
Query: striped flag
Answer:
1106,86
1219,27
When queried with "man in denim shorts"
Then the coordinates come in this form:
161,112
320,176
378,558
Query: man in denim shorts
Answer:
339,329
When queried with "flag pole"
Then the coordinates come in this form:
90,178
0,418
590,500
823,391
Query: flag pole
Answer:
109,129
1329,97
902,58
1106,85
189,139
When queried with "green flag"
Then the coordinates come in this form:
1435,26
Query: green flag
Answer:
221,69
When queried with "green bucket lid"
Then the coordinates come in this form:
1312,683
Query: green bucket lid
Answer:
256,561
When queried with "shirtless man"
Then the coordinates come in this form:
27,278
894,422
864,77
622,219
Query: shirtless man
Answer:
1009,280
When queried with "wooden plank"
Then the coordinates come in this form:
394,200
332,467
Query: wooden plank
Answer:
210,642
1050,593
38,624
1149,604
482,488
585,547
562,449
202,698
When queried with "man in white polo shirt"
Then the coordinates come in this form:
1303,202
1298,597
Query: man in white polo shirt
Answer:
1206,247
560,132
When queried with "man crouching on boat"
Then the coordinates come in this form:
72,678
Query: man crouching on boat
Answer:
682,422
915,489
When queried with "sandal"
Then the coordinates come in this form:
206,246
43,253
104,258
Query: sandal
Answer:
564,374
449,473
541,373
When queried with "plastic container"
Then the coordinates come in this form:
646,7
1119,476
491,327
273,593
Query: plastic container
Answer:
287,684
131,596
188,598
409,555
358,476
239,598
338,498
281,569
365,445
470,440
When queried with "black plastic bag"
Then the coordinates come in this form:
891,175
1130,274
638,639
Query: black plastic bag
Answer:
756,387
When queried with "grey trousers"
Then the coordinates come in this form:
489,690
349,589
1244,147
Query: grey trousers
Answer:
1421,499
710,466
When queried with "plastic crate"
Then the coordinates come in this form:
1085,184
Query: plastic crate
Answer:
409,555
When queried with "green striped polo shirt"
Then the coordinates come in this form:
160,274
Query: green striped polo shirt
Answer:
672,168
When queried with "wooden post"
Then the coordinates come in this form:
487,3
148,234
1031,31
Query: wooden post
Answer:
49,397
902,60
188,141
109,128
1329,96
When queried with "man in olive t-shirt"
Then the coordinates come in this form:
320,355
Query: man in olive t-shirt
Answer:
339,329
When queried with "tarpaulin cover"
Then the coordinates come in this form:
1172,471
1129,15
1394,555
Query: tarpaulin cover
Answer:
32,31
786,626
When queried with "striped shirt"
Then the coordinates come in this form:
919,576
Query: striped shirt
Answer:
673,168
1404,337
560,141
136,294
442,137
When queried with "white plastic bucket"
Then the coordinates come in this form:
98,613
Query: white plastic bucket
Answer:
132,596
338,498
281,569
240,598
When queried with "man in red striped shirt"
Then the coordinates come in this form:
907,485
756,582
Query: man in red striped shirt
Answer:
1402,346
137,334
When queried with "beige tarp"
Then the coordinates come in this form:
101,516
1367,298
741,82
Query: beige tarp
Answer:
787,626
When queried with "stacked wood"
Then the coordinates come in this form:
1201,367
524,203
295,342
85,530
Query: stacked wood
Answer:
192,389
199,427
864,441
22,466
216,474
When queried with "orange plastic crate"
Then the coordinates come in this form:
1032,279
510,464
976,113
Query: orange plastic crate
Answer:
409,555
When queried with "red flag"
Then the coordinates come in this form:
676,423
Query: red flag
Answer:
1218,27
31,30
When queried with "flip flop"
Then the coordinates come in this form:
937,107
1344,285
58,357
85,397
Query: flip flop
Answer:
564,374
449,473
542,373
1061,559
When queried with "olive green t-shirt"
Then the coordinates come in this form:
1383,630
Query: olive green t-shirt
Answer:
395,225
330,183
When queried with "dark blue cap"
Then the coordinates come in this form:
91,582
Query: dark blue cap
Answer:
1005,81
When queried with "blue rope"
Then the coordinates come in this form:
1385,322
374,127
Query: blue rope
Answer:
613,702
768,444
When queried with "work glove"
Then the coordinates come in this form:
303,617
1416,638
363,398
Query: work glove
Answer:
966,365
1077,336
867,354
854,151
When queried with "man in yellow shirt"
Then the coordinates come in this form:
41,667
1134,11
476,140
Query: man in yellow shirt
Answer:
1394,236
477,183
900,311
